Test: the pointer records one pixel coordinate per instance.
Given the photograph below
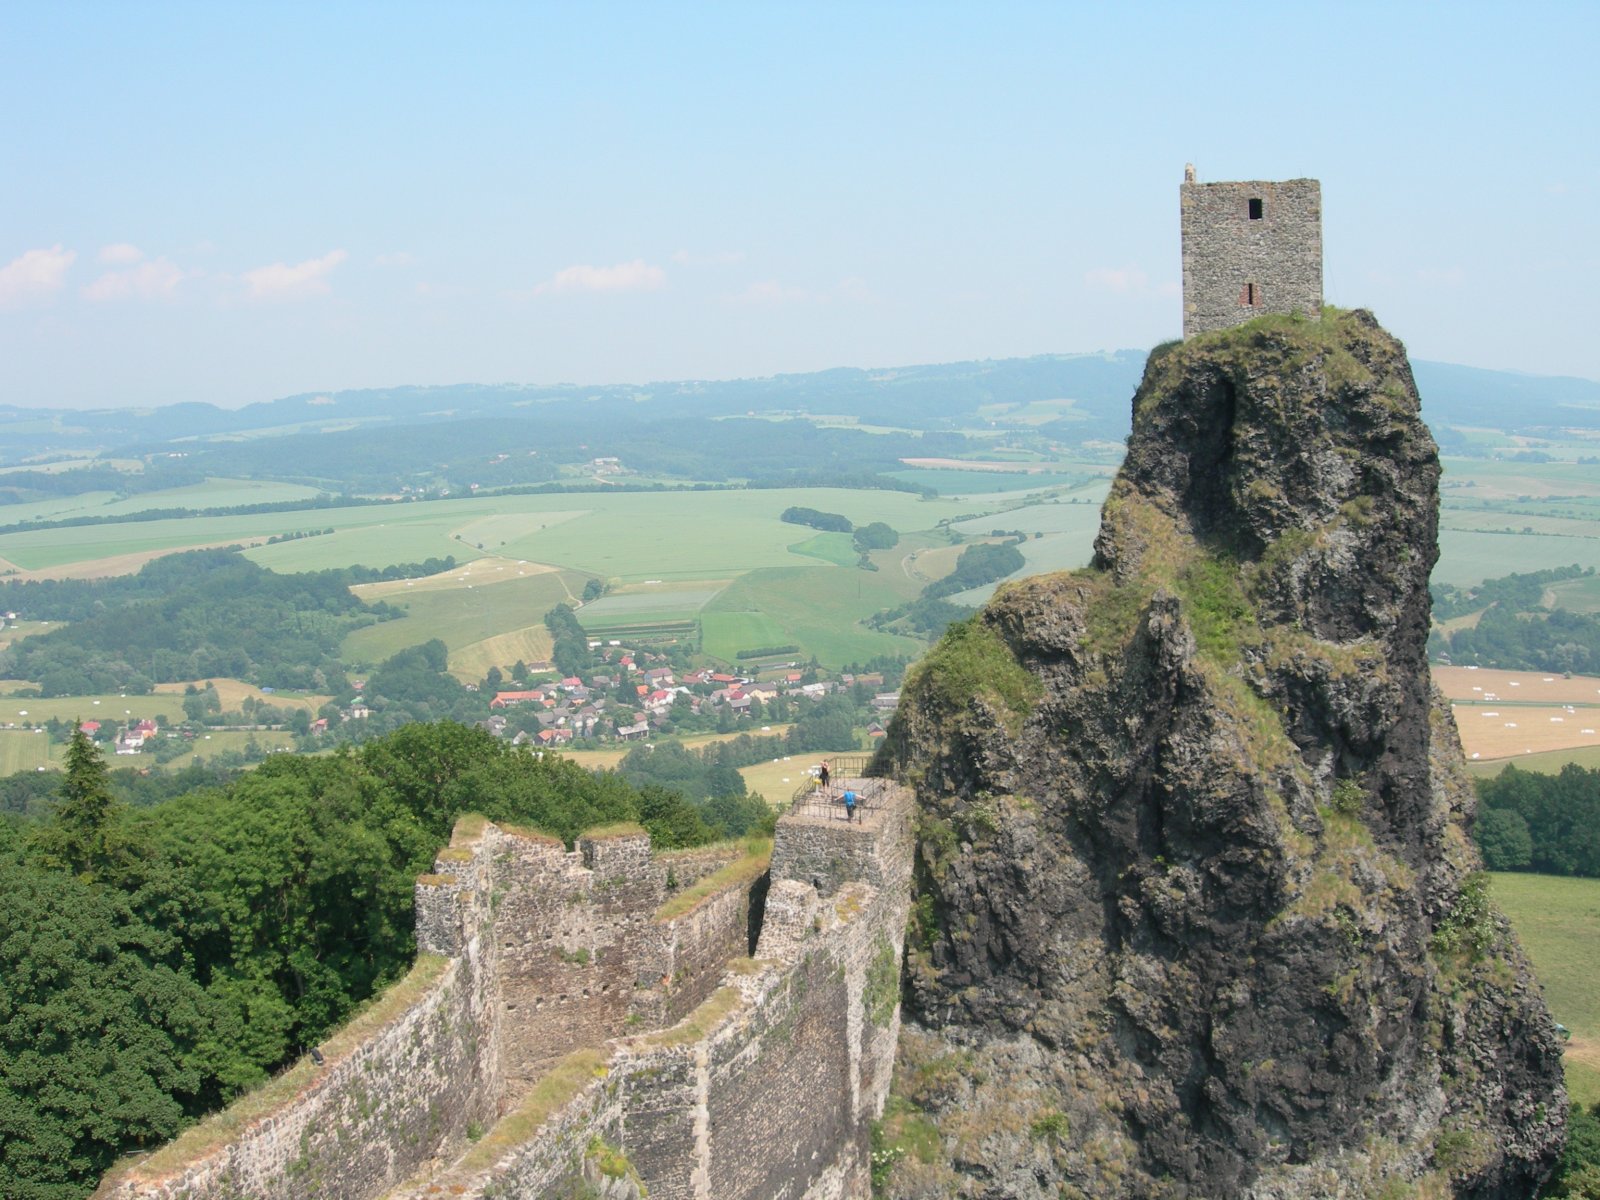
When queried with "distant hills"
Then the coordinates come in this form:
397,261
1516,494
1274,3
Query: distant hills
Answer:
371,438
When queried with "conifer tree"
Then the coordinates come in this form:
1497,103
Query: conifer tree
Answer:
80,835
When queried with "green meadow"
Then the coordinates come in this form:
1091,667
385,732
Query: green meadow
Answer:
624,536
639,604
25,750
836,548
817,608
460,616
1549,762
1558,923
23,710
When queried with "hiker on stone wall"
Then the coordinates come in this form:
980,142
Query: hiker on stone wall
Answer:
849,805
822,774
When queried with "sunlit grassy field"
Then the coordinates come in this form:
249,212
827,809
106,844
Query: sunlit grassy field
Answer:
25,750
818,609
464,617
109,706
1558,922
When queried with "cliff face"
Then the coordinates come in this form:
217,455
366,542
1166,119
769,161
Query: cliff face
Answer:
1197,913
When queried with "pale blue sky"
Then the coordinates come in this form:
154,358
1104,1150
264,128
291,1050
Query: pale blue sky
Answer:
234,202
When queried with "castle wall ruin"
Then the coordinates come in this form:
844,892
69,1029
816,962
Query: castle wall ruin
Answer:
565,1022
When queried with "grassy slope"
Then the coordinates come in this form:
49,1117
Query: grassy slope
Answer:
1558,921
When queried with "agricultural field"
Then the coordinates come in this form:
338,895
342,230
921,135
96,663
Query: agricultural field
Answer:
1522,714
488,613
233,692
724,634
1558,922
21,710
1550,762
650,603
836,548
29,750
1500,515
1579,595
209,745
817,608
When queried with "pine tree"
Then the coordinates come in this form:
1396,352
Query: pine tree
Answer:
81,832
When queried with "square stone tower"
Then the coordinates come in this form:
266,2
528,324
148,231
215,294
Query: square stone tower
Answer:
1249,248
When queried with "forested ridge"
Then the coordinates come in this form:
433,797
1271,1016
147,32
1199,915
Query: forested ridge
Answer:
189,616
1515,629
156,961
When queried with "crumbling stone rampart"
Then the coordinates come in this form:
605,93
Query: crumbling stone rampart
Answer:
568,1027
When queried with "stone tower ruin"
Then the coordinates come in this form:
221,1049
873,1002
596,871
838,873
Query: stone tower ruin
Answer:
1249,248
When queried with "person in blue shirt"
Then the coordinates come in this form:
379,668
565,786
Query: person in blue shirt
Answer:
849,804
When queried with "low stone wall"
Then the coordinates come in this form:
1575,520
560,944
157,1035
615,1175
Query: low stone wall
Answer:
353,1126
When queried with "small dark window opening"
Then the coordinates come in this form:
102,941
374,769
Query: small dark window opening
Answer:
1255,208
1249,296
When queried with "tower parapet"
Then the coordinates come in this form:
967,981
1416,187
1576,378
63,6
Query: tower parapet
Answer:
1249,248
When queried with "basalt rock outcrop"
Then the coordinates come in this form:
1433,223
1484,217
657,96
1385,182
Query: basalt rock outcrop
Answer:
1198,914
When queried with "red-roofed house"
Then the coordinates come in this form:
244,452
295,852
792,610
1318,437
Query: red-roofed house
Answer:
506,699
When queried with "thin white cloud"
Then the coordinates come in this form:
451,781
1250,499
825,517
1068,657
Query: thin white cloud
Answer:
120,254
399,258
157,279
34,275
635,276
281,281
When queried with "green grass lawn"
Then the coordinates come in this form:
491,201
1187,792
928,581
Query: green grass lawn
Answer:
1558,922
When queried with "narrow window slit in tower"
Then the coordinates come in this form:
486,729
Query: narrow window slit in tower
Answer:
1255,208
1249,296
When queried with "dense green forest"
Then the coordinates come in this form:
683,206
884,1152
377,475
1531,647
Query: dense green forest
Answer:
1516,631
1528,821
155,961
183,617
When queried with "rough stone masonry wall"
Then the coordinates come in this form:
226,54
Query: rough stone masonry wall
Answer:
1224,251
767,1090
376,1108
543,950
